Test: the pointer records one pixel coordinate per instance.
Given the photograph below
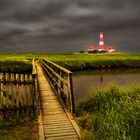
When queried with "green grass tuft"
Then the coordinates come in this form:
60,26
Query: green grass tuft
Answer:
112,114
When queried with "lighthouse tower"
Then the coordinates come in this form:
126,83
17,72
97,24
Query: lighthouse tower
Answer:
101,42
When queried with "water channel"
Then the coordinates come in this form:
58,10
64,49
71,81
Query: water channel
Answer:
87,82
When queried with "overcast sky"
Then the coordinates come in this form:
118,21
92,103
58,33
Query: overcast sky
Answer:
68,25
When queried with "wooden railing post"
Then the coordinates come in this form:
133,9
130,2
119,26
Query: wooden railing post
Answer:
0,90
17,93
33,92
62,88
34,84
72,105
12,90
4,91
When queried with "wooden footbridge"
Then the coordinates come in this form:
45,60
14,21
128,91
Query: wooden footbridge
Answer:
19,95
56,103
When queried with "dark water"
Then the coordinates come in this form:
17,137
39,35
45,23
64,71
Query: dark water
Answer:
87,81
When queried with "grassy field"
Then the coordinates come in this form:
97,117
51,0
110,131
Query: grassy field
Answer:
77,61
16,62
111,114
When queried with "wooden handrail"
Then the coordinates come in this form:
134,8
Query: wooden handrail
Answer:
61,80
57,75
59,67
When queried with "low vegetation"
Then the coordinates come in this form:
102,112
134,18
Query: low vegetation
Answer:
20,131
15,66
16,63
76,62
71,61
111,114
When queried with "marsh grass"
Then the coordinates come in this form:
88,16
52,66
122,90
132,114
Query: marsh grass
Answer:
20,131
78,61
15,67
111,114
19,127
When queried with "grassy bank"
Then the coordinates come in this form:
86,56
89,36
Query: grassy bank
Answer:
78,61
14,66
22,131
111,114
18,125
15,63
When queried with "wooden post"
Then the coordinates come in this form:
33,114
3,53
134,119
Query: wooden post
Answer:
72,105
0,90
26,90
22,90
9,91
12,90
56,80
33,92
4,89
31,89
4,96
17,93
33,85
63,96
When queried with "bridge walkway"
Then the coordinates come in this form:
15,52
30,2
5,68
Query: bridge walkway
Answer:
56,123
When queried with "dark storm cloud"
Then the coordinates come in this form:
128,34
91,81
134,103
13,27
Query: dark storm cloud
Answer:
29,11
64,25
4,4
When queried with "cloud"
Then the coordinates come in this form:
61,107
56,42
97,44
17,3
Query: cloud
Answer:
61,25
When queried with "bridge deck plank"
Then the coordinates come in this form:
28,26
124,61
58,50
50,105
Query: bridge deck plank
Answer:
56,123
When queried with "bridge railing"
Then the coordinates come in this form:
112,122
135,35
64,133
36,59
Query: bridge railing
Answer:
61,80
18,93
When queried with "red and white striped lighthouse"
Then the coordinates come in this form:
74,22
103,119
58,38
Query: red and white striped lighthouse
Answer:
101,42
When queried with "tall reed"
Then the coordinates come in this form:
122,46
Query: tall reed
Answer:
112,114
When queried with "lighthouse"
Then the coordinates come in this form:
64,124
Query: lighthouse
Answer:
101,49
101,42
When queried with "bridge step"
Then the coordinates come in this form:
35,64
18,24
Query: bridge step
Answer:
56,123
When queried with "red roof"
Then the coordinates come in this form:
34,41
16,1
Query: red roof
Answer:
91,48
110,48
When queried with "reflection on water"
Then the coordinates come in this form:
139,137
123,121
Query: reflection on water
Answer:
85,81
